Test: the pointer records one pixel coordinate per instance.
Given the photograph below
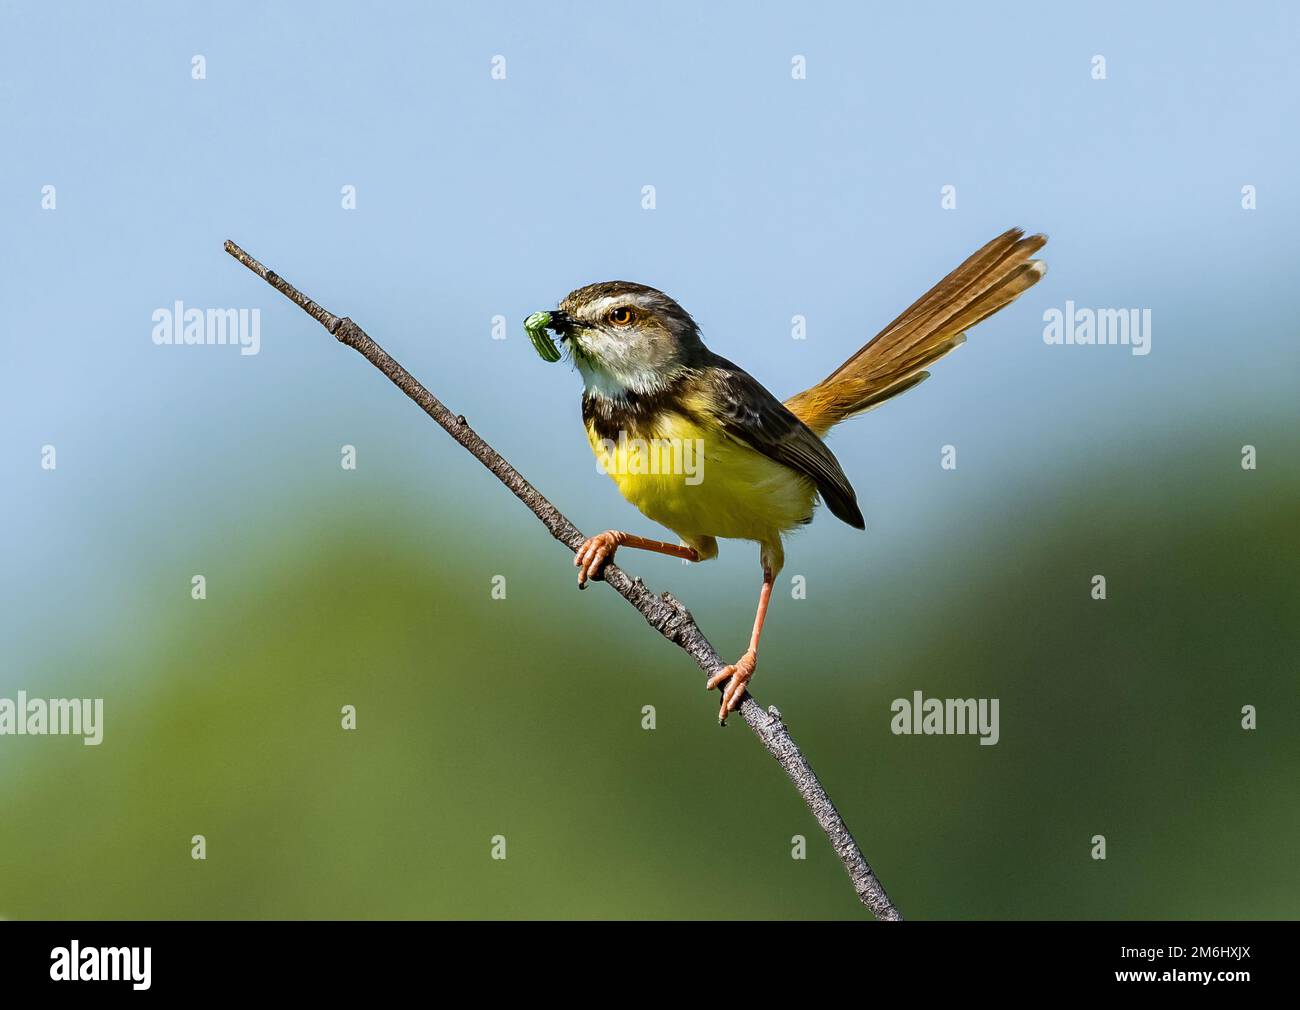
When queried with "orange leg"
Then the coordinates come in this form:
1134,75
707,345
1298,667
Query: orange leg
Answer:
599,550
740,672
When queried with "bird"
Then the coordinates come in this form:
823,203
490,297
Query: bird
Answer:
702,448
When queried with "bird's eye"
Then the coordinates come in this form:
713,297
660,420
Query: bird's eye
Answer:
621,316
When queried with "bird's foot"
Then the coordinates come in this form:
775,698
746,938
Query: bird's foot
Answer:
595,553
739,674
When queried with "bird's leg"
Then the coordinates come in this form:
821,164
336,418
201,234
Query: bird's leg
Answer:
739,672
599,550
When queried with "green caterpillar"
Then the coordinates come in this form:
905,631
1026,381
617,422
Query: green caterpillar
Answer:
535,326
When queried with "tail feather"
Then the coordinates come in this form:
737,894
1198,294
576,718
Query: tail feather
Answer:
935,324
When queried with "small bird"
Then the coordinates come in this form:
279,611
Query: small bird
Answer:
702,448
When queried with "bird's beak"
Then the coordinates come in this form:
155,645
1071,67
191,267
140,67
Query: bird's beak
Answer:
561,323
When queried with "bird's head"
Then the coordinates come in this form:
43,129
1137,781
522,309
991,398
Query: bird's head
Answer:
625,337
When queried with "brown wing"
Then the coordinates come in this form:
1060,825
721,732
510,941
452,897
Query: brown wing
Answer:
746,411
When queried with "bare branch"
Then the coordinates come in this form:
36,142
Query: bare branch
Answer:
663,613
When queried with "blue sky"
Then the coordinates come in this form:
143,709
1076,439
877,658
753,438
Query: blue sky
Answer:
479,197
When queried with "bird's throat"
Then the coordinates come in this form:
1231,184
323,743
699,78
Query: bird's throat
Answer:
615,382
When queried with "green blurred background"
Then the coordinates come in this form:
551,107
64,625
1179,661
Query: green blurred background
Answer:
522,717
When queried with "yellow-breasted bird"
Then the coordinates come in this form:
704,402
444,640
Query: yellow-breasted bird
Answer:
656,398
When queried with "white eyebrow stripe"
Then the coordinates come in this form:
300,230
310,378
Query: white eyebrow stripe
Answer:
602,305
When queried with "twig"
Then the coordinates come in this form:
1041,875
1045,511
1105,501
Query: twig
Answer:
663,613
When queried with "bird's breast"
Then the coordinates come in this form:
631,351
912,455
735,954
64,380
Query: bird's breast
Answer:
689,475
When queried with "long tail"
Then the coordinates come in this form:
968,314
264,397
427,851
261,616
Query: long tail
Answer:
932,326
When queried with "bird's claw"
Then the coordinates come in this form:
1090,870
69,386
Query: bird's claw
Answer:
594,554
739,674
